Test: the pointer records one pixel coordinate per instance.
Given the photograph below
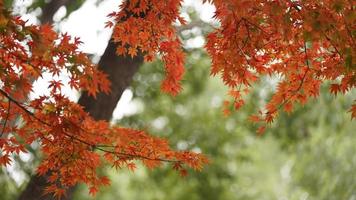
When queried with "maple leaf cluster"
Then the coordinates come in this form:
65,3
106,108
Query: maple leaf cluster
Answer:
73,144
305,43
146,27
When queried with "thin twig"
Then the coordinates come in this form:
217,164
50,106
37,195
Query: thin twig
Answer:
300,84
6,119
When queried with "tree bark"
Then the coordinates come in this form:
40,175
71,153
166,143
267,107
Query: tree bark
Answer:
120,70
50,9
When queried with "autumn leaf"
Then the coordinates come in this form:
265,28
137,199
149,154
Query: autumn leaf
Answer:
132,52
5,160
261,130
131,166
334,88
288,107
93,190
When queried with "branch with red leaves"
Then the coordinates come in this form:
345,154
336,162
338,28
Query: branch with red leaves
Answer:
73,144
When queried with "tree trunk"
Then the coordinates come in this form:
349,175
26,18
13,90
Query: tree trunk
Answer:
120,70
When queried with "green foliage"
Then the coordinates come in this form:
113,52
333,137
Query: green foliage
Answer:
8,3
73,6
37,4
8,187
326,165
70,7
